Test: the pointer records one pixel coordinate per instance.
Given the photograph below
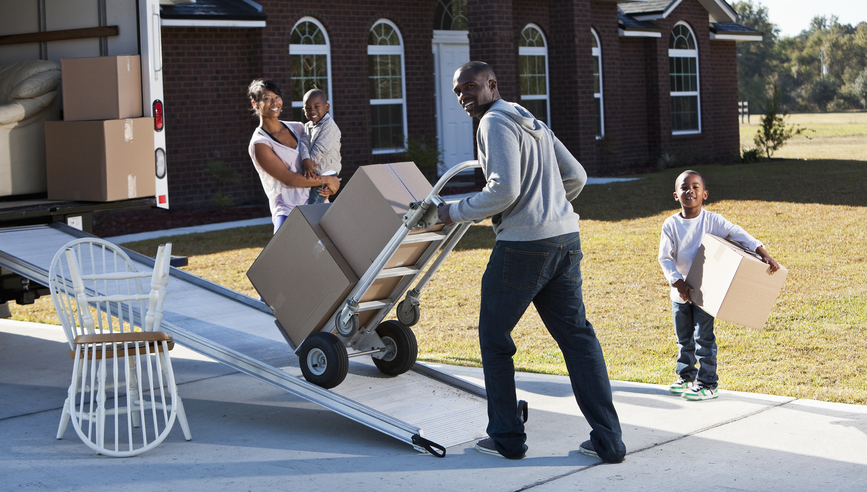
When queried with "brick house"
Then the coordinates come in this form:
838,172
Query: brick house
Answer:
622,83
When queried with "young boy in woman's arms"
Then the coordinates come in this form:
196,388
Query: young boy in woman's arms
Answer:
320,145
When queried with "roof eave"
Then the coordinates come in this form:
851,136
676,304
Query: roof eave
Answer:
212,23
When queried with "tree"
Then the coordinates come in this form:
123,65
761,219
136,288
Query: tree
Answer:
757,62
773,133
859,88
820,93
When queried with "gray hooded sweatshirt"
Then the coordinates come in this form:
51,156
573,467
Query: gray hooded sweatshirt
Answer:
531,178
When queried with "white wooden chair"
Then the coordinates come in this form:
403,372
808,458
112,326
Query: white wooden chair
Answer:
122,399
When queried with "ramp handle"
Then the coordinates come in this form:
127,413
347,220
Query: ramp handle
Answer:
429,446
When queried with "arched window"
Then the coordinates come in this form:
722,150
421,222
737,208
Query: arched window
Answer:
451,15
597,85
683,63
309,62
386,79
533,72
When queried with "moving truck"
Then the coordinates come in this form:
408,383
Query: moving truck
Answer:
60,180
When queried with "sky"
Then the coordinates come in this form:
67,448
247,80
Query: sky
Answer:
793,16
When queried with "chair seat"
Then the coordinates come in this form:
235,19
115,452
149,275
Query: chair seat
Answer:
117,343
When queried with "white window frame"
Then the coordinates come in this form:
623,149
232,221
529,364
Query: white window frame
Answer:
543,52
679,53
313,49
597,52
391,50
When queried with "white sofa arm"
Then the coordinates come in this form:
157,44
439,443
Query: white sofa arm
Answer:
21,109
27,79
36,85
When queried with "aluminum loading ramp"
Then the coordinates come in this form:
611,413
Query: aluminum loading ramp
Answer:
424,407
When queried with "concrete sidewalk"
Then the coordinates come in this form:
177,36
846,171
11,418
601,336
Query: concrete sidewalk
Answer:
248,435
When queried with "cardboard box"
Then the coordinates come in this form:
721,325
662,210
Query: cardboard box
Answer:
100,161
304,279
732,284
101,88
300,275
369,211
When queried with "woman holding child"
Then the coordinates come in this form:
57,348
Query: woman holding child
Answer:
275,153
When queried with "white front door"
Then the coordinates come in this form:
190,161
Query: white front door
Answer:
451,49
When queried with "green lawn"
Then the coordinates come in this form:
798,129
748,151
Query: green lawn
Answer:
832,136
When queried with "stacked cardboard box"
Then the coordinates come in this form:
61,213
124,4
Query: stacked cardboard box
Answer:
300,275
103,150
732,284
319,254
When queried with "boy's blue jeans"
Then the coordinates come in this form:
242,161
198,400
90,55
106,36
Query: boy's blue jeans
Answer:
696,342
548,274
315,197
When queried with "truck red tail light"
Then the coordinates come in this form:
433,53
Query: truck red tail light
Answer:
158,115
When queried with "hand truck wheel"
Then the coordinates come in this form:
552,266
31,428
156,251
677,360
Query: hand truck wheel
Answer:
324,361
401,348
408,313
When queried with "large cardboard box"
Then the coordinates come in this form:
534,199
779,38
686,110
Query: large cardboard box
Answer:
101,88
300,274
100,161
304,279
369,211
732,284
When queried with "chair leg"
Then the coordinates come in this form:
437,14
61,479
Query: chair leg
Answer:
132,391
100,409
182,419
178,402
69,404
64,418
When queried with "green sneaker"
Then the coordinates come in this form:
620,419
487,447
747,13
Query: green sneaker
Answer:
680,386
700,392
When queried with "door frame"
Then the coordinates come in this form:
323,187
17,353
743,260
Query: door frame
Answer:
441,38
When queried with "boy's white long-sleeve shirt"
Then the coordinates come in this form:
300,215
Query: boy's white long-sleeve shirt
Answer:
681,238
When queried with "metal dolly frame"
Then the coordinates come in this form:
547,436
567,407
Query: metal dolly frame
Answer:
324,355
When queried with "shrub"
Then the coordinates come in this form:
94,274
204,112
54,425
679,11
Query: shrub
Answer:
222,174
773,132
425,155
751,155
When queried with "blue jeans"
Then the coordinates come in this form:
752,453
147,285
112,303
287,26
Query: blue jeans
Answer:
315,197
548,274
278,222
695,343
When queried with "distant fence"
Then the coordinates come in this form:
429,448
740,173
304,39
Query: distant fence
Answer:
744,110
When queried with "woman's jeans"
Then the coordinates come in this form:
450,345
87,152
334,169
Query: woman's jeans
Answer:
547,273
695,343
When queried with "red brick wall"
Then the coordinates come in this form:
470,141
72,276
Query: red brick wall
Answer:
493,40
207,118
571,80
723,64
